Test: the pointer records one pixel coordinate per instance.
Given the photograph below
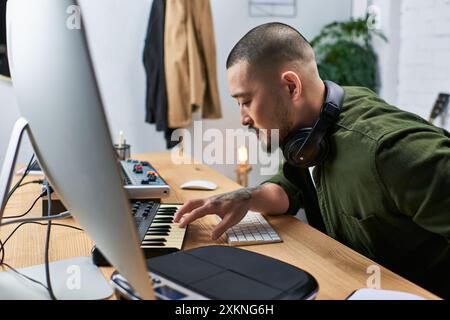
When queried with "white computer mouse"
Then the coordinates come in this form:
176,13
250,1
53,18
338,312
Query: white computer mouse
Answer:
199,185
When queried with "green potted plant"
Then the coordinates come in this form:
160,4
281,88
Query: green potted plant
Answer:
345,54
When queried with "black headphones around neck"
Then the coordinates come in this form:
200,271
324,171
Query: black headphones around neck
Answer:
308,147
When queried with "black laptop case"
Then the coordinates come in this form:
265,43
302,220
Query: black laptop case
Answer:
230,273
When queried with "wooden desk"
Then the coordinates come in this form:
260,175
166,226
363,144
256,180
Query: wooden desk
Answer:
338,269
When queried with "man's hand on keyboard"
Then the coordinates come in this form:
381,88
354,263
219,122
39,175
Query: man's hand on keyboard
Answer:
231,207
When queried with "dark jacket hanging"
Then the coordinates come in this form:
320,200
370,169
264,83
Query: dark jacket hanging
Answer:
156,101
4,67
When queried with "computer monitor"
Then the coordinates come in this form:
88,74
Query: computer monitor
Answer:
58,95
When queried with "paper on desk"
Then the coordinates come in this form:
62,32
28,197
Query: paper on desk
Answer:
376,294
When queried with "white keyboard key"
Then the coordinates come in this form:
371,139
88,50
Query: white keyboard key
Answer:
233,238
253,229
266,237
249,237
241,237
259,237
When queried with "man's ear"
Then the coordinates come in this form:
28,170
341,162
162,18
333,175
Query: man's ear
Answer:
293,83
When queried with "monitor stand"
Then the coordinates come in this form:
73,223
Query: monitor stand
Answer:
76,278
10,160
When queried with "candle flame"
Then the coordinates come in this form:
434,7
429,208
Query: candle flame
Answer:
243,154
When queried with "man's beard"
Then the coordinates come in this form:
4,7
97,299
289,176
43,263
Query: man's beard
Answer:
272,139
268,139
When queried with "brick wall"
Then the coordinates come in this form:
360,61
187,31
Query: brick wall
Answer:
424,56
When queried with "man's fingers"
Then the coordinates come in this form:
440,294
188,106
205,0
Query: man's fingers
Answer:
226,223
187,207
194,215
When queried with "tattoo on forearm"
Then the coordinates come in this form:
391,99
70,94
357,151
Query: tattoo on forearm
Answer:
241,194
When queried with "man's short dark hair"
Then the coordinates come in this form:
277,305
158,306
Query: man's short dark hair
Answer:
269,44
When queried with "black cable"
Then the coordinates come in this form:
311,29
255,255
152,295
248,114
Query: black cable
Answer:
2,250
47,243
41,181
38,223
47,262
61,225
2,263
24,175
16,186
25,276
29,210
60,216
18,216
3,243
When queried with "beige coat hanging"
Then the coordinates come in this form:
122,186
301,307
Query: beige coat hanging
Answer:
190,62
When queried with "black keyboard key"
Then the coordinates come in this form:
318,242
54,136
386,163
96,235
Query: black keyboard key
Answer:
157,234
153,245
167,214
155,240
158,220
158,231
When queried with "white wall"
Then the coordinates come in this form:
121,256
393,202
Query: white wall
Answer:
387,52
117,31
116,35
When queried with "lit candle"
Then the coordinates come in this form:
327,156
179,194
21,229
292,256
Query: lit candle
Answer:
242,154
121,139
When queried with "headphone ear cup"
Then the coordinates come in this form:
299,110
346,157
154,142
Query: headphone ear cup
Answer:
294,144
322,152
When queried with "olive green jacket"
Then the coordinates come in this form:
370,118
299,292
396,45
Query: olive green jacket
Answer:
384,189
